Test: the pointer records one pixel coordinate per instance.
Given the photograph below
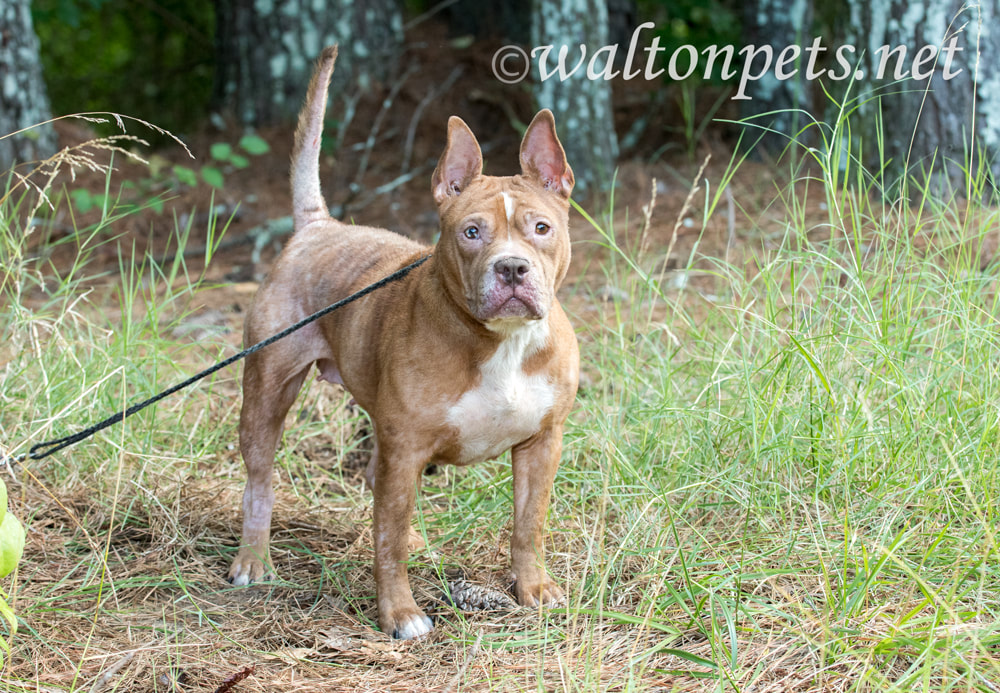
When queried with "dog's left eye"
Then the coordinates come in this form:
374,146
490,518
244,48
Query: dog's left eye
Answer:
472,233
541,228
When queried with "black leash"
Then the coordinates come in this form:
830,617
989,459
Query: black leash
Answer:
49,447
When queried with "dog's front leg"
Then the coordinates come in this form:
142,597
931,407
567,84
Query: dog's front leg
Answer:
396,477
534,465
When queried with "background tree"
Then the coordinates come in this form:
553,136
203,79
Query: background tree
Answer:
490,19
265,51
927,119
933,117
582,106
23,99
778,23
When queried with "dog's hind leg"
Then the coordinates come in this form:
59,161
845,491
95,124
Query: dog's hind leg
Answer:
266,401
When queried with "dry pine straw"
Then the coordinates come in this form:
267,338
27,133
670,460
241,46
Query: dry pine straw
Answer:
203,632
168,621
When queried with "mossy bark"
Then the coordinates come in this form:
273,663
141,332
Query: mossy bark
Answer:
581,103
24,101
940,116
777,104
265,51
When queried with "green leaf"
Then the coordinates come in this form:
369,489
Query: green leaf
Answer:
221,151
11,544
239,161
254,144
82,200
693,658
186,176
8,614
820,375
212,176
628,618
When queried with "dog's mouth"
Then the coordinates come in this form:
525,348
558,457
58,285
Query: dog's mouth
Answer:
512,302
516,306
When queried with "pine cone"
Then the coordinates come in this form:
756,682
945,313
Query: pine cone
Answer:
470,597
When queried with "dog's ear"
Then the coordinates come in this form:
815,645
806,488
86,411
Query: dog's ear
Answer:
460,164
543,157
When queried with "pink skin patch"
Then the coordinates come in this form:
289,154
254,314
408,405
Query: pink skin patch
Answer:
502,301
328,372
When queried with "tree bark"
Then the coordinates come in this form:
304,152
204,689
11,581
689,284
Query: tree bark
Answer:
940,116
778,23
502,20
265,51
581,104
23,99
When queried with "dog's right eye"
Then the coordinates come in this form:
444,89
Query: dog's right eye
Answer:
472,233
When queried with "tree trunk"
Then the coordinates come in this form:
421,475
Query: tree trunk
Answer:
581,102
927,116
503,20
778,23
265,51
23,99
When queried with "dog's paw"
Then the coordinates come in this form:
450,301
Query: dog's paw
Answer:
407,625
247,568
543,592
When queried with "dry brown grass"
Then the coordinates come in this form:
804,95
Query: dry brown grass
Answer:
158,615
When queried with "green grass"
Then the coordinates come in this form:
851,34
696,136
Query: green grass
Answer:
781,476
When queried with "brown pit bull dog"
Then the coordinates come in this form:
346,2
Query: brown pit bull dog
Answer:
468,356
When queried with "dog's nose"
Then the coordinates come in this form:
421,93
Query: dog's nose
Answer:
512,269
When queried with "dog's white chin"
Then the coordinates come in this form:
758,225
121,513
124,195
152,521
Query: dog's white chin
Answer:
508,325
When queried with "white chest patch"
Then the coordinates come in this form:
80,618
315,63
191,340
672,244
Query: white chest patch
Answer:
506,406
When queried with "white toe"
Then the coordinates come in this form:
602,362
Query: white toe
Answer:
413,628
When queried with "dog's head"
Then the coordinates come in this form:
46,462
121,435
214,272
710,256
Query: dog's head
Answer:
504,246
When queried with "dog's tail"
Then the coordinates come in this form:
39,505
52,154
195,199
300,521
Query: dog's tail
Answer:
308,205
